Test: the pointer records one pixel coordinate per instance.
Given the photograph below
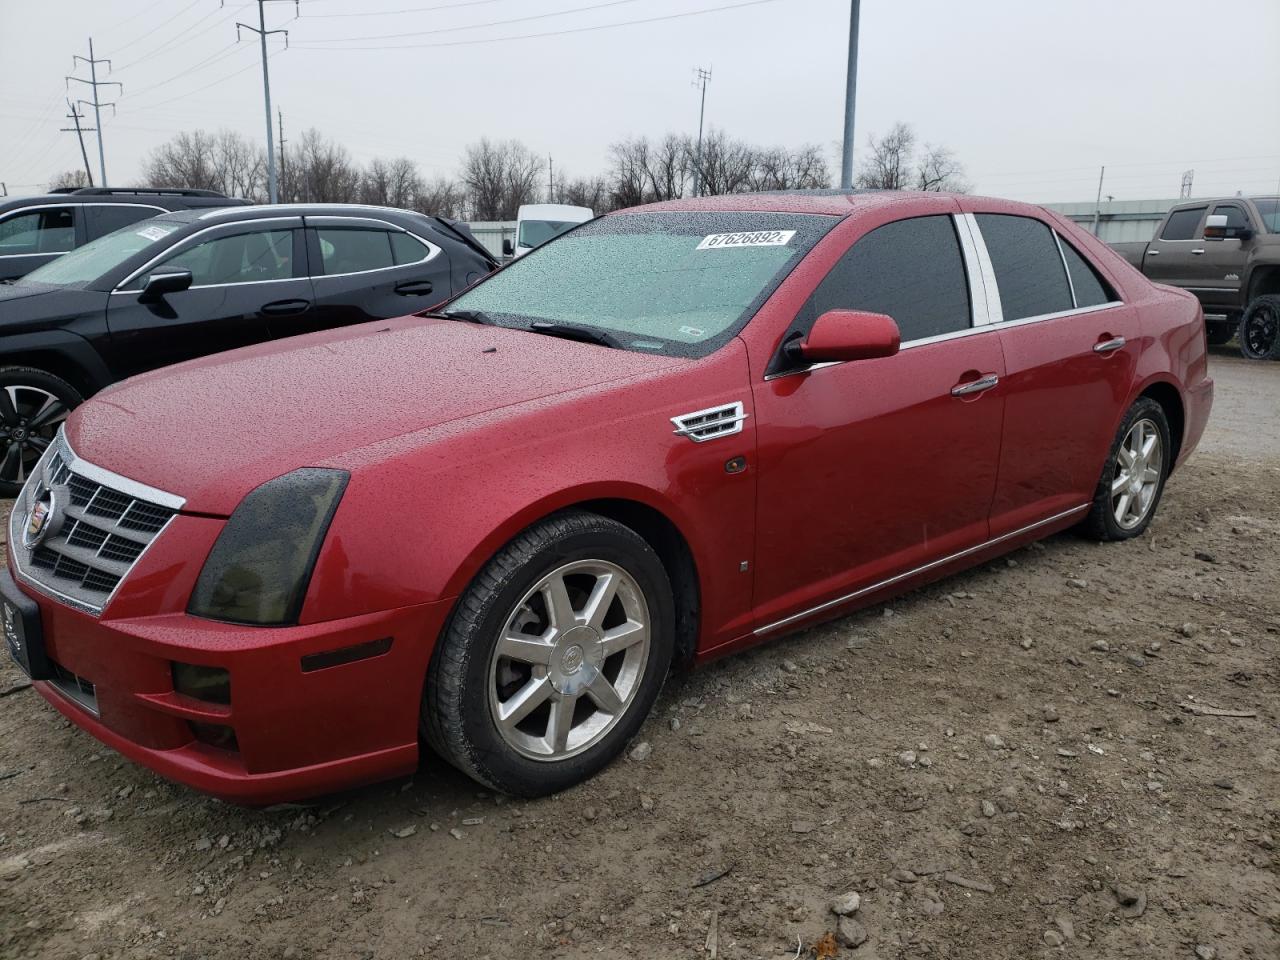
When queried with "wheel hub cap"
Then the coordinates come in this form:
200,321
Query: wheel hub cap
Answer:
1139,466
576,662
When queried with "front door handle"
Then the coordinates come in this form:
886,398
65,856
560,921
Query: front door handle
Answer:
1198,251
285,308
1107,346
975,386
1153,253
414,288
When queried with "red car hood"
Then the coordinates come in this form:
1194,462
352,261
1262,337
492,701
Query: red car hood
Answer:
213,429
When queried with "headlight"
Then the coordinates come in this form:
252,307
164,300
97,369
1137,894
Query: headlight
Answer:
260,566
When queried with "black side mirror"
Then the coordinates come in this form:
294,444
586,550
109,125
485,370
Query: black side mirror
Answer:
508,250
166,281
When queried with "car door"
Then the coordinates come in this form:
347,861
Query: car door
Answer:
243,275
1222,260
1169,258
30,237
367,269
1070,349
872,468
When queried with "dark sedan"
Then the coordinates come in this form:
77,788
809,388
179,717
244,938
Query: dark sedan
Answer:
196,282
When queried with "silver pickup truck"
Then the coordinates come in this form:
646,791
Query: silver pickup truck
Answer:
1226,252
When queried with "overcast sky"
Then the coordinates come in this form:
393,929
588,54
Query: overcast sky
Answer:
1032,95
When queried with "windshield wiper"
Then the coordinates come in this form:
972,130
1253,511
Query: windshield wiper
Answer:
568,331
467,316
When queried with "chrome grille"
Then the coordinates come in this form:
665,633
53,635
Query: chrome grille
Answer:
100,526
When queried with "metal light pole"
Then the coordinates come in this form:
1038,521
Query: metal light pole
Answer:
851,99
273,193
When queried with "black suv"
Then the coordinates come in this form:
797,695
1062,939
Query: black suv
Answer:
187,284
35,230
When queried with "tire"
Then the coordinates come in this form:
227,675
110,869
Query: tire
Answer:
1260,329
1104,520
1220,333
33,405
476,701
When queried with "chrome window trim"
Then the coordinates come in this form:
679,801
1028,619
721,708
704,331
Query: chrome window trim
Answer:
923,568
433,250
99,475
296,220
979,300
1071,284
995,308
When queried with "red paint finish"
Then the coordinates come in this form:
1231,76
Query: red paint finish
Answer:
864,478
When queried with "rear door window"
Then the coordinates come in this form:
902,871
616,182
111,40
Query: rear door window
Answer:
912,270
1028,267
239,258
354,250
101,219
407,249
1182,224
1090,289
51,230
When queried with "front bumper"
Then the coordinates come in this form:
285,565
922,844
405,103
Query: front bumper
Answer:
297,732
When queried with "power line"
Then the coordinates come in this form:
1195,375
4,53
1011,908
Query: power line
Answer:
224,53
551,33
169,45
214,83
480,26
396,13
159,26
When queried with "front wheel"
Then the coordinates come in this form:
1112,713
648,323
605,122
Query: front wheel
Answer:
1260,329
553,657
1133,479
33,405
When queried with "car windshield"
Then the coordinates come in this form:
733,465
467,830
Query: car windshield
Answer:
1269,210
676,283
534,233
86,264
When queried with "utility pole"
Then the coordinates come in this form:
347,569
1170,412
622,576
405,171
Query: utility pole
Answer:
701,79
850,100
96,103
1185,191
273,194
1097,208
551,179
80,132
280,115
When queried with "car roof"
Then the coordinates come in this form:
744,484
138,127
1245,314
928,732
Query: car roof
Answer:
832,203
310,210
145,196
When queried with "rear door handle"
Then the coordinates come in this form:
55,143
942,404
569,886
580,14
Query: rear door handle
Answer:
1107,346
414,288
285,308
1198,251
1153,253
975,386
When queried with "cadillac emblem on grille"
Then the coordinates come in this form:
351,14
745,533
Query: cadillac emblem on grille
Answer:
42,520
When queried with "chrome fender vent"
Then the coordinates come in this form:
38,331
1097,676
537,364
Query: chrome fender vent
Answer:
710,424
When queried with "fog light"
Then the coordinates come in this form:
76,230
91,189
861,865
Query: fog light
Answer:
211,684
215,735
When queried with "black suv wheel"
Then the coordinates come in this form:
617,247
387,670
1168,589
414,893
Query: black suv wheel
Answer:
33,404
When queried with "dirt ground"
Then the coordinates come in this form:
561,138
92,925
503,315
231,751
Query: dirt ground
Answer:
1022,761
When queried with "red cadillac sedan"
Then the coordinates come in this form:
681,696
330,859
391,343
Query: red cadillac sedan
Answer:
675,432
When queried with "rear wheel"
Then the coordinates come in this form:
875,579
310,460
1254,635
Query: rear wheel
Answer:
1260,329
1133,478
33,405
553,657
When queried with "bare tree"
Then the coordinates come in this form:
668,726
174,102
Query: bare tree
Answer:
500,176
670,167
391,183
629,172
782,169
440,197
590,192
889,167
727,164
225,161
938,169
323,171
69,180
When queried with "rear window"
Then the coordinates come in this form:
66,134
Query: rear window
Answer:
1182,224
1028,266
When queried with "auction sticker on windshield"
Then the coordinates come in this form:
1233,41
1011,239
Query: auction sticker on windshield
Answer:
154,232
756,238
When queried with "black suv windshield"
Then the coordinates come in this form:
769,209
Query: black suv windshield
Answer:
676,283
86,264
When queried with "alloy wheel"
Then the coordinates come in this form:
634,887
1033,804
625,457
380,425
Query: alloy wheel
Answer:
570,660
1260,331
29,419
1139,467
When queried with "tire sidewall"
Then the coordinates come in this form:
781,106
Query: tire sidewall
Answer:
490,755
39,379
1148,409
1266,301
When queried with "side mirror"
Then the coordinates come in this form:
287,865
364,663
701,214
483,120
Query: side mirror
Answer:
1215,228
166,281
847,335
508,249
